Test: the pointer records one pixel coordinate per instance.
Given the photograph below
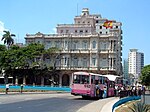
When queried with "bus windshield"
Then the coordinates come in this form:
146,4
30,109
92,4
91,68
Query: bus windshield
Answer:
80,79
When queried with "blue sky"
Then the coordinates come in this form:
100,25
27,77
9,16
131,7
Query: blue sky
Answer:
30,16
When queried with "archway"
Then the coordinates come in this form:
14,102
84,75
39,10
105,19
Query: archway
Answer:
65,80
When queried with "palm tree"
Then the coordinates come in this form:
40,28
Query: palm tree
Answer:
7,37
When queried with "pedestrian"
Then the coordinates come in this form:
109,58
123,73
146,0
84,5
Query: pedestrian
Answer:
21,88
7,88
143,89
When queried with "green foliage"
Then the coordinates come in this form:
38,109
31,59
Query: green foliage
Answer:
139,107
145,77
133,106
29,60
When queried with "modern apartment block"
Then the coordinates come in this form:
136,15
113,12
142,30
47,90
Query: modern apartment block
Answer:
136,62
86,45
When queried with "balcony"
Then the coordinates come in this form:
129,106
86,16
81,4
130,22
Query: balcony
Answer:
103,51
83,51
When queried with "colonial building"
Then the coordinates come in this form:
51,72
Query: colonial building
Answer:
91,44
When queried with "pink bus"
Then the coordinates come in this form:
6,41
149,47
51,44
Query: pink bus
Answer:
90,85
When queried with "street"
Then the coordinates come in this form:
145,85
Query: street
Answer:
41,103
63,102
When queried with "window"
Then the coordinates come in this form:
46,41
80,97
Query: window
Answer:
96,21
76,31
75,44
105,46
67,31
94,61
66,44
61,31
86,31
100,27
106,32
81,31
104,62
65,61
84,44
94,44
116,26
48,44
75,62
78,22
57,44
57,61
84,62
100,32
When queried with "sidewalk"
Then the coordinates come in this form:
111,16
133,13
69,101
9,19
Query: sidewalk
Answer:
101,105
108,107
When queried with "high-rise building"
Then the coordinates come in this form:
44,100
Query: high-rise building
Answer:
136,62
125,69
91,44
126,79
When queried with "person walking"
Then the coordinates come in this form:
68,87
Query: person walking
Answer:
21,88
7,88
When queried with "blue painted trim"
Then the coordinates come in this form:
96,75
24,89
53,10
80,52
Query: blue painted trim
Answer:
124,100
67,89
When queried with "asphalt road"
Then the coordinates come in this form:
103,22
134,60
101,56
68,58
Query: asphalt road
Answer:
42,103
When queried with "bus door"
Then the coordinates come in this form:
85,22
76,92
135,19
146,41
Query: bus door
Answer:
93,86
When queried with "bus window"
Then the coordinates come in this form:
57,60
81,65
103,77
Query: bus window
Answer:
81,79
96,82
100,79
76,79
85,79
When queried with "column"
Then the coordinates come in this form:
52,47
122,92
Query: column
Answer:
16,80
24,80
60,80
42,81
52,84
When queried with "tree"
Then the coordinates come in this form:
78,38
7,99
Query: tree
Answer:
53,52
2,50
15,60
7,38
145,77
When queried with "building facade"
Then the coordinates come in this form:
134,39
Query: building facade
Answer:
86,45
136,62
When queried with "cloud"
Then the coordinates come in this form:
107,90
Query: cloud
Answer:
53,31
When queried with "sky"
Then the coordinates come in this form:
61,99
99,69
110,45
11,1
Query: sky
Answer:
23,17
